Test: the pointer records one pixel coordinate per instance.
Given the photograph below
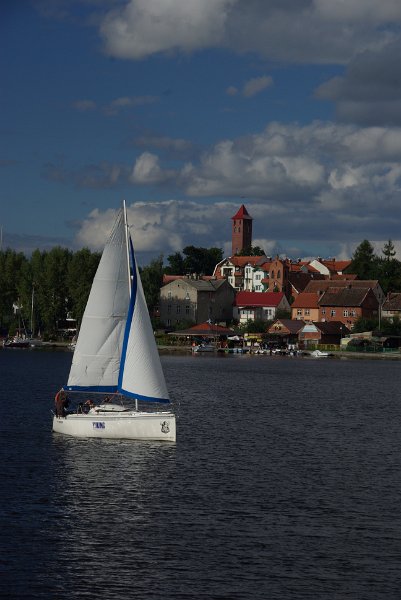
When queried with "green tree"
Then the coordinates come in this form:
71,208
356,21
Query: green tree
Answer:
201,260
362,324
81,271
252,251
176,264
55,303
364,262
389,269
152,279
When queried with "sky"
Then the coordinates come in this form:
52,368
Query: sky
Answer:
189,108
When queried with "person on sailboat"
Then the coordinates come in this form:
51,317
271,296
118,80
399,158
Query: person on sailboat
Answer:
89,404
61,403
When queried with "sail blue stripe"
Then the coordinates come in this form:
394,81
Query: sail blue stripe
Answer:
131,309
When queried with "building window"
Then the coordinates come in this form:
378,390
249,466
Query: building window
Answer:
345,313
169,295
353,313
333,312
323,311
307,311
187,296
169,308
187,309
299,312
178,309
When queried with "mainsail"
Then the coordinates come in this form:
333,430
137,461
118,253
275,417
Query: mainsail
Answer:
116,349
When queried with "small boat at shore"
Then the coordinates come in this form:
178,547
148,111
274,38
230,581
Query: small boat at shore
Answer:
203,348
17,341
319,354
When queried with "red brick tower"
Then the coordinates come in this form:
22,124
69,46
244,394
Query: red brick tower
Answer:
242,230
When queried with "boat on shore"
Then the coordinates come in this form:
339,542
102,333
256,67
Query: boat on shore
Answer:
16,341
319,354
116,364
203,348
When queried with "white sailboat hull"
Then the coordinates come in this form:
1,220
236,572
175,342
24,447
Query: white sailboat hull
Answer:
122,425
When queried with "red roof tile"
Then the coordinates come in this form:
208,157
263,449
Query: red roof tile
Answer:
258,298
306,300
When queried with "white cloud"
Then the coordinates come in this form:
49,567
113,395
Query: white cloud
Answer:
256,85
147,170
291,30
144,27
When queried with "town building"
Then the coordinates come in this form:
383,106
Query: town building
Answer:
285,331
241,230
335,303
259,306
193,300
305,307
321,286
240,271
348,305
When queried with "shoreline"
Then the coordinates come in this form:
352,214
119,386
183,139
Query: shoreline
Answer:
174,349
333,354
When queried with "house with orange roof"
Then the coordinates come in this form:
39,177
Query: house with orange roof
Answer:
255,306
305,307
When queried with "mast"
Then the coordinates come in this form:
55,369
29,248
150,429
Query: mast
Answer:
126,229
33,292
127,238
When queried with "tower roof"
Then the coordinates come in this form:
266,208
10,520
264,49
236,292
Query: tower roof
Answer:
242,213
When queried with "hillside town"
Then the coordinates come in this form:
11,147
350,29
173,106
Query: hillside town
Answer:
322,301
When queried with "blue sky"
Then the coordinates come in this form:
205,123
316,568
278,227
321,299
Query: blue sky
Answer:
188,109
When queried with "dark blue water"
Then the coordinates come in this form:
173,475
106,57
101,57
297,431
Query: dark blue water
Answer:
284,483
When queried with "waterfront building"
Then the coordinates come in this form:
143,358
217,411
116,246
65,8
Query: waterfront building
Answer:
195,300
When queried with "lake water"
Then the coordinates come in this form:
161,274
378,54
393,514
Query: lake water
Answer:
284,483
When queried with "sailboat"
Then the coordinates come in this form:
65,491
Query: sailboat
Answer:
116,363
